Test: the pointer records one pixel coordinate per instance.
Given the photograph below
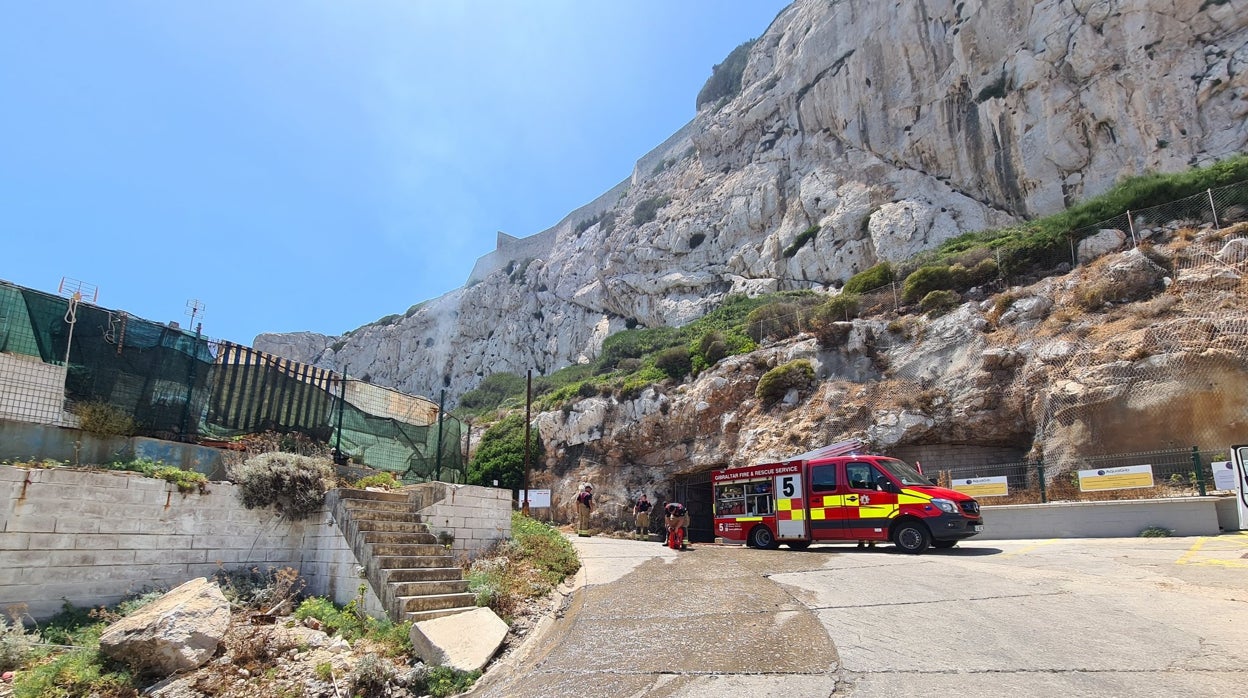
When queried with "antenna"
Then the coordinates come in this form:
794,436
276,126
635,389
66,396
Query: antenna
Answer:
76,291
195,308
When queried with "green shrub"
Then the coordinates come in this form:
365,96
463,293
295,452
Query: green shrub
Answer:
1156,532
442,681
545,547
634,344
800,241
491,392
102,419
675,362
79,672
869,279
924,280
827,320
185,480
647,210
295,485
16,645
384,480
501,454
725,80
799,374
708,350
938,302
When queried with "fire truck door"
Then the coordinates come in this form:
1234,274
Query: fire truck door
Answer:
1239,459
790,507
869,510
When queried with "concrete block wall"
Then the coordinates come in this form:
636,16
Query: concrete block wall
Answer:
93,538
1185,516
479,517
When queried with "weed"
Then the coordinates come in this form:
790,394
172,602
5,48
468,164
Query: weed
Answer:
1156,532
384,480
102,419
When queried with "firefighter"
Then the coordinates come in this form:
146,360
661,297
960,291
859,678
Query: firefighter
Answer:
676,516
641,515
584,506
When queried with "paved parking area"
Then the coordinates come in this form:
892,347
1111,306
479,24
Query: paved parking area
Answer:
1063,617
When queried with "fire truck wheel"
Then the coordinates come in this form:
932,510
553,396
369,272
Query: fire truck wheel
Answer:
798,544
942,544
761,538
912,537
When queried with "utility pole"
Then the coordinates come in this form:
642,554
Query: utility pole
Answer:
437,471
528,406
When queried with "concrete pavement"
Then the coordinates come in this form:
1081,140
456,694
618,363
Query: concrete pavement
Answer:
644,620
1070,617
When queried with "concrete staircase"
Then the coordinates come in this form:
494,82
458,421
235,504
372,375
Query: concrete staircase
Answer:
415,577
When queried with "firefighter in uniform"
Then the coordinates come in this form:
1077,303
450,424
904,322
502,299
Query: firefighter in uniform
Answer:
641,515
584,506
676,516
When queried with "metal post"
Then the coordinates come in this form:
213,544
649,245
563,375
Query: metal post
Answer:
528,406
437,459
1044,495
1200,471
339,459
1213,208
190,383
1131,227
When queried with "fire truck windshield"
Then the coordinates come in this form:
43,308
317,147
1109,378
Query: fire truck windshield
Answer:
903,472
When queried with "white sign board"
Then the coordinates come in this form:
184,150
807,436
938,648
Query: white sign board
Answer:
1122,478
996,486
1223,475
538,499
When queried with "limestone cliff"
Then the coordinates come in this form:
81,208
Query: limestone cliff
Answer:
892,126
870,131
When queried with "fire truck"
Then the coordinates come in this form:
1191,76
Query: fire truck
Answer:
838,493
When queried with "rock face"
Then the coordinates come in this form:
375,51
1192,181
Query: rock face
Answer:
177,632
864,131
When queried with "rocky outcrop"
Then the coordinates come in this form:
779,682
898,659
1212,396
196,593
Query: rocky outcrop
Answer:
863,132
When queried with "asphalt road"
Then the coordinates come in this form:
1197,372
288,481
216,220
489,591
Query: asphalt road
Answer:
1136,617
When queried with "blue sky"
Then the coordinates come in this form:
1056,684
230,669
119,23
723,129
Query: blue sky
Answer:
319,165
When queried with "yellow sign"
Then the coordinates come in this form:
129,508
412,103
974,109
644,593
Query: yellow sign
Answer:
1123,478
982,486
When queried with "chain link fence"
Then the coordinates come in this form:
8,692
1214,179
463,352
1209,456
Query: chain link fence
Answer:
1147,474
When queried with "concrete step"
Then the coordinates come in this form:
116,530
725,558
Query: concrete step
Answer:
431,588
383,515
390,526
408,550
376,505
435,602
398,537
403,562
422,574
374,496
417,616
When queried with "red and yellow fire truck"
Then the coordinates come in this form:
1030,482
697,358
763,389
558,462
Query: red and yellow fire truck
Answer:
838,494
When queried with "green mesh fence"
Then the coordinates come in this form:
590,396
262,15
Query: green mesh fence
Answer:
179,385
